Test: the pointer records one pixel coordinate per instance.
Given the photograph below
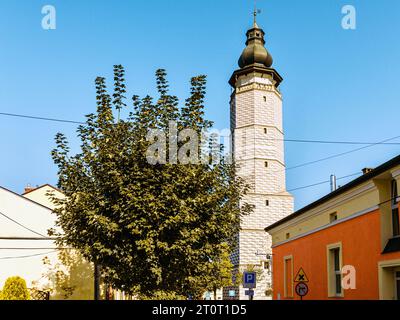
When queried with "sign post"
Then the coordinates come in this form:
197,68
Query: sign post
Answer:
301,286
249,282
301,289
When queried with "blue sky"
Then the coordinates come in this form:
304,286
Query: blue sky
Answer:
338,84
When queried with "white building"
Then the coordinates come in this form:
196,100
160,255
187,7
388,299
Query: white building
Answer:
24,222
258,149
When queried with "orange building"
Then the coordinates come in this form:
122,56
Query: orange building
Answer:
347,243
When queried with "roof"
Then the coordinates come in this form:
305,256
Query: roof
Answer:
26,199
39,187
354,183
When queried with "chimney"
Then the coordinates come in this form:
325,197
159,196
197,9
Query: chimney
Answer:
28,188
333,183
367,170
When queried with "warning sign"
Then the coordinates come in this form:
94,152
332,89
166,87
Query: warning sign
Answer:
301,276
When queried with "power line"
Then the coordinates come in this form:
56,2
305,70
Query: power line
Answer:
336,142
285,140
33,248
340,154
27,256
39,118
324,182
21,225
28,238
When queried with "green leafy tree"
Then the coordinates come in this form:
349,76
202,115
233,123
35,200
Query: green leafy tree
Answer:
15,289
70,278
156,229
220,273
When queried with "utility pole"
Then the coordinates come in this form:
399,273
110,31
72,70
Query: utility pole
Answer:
96,281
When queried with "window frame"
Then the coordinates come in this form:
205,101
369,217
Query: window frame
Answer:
397,284
395,209
332,272
285,280
333,217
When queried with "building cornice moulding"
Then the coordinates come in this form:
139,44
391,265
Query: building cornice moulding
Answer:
369,187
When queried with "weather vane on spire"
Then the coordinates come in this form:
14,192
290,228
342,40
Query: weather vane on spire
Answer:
255,12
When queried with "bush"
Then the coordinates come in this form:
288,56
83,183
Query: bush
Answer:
15,289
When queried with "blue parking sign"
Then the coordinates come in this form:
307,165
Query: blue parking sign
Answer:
249,280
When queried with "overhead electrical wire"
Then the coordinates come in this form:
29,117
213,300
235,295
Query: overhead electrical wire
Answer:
27,238
324,182
39,118
285,140
27,256
337,142
338,154
365,146
33,248
21,225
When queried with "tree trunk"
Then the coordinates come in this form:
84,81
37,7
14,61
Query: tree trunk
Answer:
96,282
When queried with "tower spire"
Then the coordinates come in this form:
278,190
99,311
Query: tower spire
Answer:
255,12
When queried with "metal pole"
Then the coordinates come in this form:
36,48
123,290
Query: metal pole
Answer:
333,183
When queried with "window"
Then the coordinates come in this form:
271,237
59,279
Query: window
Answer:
332,217
288,276
395,210
338,274
266,164
335,270
265,130
267,203
265,98
287,235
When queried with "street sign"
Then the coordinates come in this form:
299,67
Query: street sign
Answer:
249,280
249,293
301,289
301,276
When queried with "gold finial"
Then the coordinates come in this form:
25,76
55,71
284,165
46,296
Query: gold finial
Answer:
255,12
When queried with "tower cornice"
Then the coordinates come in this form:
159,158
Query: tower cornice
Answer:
255,68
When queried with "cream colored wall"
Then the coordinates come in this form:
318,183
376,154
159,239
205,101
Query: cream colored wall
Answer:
35,217
356,200
384,187
386,271
39,195
81,292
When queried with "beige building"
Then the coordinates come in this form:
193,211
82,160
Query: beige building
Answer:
23,230
25,244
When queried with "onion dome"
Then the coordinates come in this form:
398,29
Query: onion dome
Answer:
255,52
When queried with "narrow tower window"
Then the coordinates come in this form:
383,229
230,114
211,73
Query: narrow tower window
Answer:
265,98
265,130
266,164
267,203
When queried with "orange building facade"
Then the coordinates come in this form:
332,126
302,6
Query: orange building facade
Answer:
347,243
